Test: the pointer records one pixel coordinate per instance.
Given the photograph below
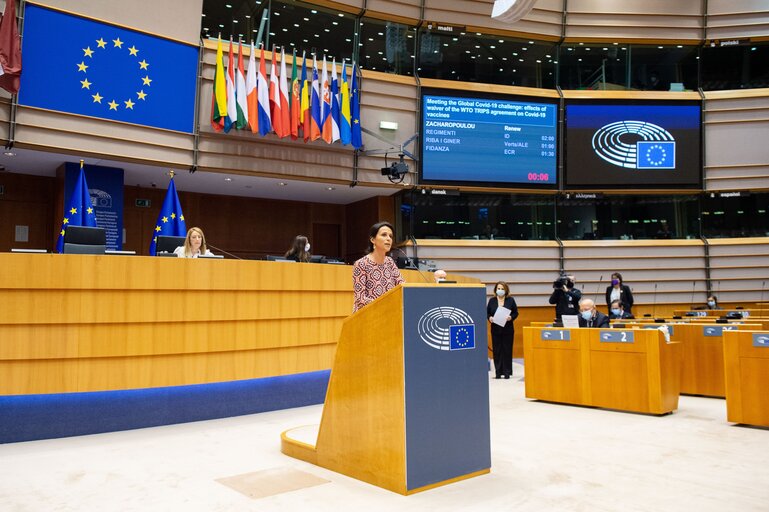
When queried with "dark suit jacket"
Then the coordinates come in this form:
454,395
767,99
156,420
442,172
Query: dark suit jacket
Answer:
599,320
491,308
625,297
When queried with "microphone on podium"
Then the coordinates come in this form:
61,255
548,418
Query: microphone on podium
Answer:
654,303
763,287
212,246
597,289
694,285
410,265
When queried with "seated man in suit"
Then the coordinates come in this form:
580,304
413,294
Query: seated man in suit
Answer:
591,317
617,311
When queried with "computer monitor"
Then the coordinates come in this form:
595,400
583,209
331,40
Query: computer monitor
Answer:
168,243
271,257
317,258
85,240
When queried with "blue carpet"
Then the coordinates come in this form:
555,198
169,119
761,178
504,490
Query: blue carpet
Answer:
32,417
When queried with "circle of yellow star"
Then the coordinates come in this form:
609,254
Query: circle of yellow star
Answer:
89,210
129,104
86,84
88,52
141,95
112,105
82,67
133,51
101,43
97,97
147,80
143,64
118,43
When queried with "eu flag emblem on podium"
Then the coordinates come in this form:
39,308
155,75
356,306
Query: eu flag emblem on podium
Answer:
656,154
461,337
84,67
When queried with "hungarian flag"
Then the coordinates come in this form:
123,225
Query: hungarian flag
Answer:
275,114
325,106
232,109
219,95
294,101
344,115
356,136
305,113
314,103
263,97
251,100
334,104
285,113
240,92
10,49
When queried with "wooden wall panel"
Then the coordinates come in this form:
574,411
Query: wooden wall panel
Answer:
27,201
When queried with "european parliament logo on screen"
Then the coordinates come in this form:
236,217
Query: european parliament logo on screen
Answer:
85,67
447,328
618,144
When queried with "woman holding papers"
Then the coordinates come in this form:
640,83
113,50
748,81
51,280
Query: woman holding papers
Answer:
375,273
194,245
502,311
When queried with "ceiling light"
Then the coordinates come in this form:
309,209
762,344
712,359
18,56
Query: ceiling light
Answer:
282,184
227,179
9,153
330,188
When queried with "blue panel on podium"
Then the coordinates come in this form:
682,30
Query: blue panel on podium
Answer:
447,387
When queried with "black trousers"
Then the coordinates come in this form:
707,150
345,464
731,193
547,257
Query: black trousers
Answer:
502,348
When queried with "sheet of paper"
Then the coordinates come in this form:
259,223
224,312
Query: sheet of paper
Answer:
570,321
500,317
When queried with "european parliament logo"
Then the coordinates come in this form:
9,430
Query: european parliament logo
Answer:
88,68
656,149
447,328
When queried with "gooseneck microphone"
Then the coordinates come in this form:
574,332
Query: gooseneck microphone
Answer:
597,290
694,285
408,261
654,304
212,246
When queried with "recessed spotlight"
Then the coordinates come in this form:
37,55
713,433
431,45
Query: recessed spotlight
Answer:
9,153
282,184
227,179
330,188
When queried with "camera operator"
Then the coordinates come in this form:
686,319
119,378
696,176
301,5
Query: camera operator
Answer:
565,296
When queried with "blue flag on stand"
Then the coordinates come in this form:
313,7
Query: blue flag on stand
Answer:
355,136
80,211
85,67
170,220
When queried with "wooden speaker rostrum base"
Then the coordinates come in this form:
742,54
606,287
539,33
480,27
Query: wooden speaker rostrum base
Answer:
407,406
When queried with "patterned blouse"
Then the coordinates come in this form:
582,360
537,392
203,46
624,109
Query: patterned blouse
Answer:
370,280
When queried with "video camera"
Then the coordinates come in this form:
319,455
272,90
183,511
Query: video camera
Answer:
563,281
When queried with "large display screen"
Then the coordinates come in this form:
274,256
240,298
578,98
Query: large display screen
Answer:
487,140
643,145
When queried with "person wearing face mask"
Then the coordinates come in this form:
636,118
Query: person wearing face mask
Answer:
194,245
502,336
591,317
617,312
300,250
619,291
375,273
713,302
439,276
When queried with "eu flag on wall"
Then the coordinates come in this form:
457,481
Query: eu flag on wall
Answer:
656,154
80,211
81,66
461,337
170,220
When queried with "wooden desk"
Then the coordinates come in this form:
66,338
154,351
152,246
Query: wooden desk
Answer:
746,356
71,323
642,376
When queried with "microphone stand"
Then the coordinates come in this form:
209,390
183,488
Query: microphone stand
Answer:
212,246
416,267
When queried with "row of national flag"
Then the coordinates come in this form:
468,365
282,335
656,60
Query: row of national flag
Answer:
315,107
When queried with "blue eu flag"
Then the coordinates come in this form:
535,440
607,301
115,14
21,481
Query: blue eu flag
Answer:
171,219
656,154
461,337
80,211
84,67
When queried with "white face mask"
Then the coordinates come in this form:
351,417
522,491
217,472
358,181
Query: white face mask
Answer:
500,293
587,315
307,247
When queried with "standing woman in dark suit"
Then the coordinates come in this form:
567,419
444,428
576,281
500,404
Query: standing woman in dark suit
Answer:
502,337
619,291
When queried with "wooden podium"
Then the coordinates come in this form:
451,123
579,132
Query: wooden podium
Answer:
629,370
407,406
746,357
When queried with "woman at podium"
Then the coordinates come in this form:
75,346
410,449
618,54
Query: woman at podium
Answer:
375,273
502,335
194,245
